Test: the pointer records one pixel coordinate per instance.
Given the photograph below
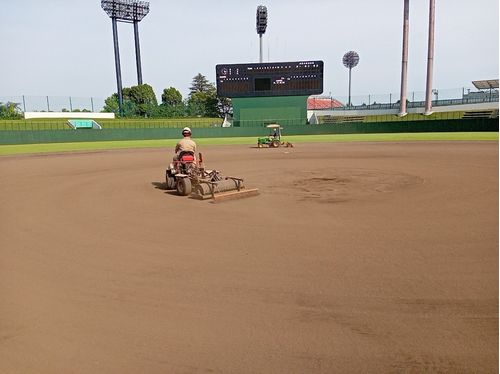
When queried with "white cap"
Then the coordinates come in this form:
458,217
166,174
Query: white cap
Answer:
186,129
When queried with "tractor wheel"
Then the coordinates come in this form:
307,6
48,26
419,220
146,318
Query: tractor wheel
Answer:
259,145
275,143
183,186
169,180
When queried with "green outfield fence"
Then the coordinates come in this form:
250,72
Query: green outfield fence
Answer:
117,134
62,124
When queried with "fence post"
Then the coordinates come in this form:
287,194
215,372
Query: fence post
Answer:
24,104
70,105
48,106
92,104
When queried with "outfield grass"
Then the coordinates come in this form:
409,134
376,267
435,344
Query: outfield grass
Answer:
165,143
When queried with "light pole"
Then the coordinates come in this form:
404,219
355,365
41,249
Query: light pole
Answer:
404,61
350,60
430,58
129,11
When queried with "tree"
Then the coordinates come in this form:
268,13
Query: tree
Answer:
144,98
196,104
111,106
202,100
138,100
126,93
224,106
10,110
171,97
172,105
211,102
199,84
203,104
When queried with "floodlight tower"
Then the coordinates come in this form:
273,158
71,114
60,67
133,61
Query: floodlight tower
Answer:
261,26
404,61
430,58
129,11
350,60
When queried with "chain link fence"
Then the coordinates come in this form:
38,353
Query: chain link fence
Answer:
415,99
55,103
456,96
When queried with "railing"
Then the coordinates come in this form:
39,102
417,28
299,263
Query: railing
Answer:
415,99
417,104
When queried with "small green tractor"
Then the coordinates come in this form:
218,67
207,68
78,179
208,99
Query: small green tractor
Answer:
273,140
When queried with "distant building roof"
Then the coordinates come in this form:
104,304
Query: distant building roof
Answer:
486,84
322,103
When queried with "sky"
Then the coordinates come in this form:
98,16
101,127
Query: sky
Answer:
65,48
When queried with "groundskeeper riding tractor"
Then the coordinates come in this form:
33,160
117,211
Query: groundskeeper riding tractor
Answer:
273,140
189,177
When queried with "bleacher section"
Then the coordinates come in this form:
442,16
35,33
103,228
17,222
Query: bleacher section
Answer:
480,114
330,119
451,112
482,104
341,119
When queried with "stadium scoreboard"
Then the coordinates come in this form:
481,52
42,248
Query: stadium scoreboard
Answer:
298,78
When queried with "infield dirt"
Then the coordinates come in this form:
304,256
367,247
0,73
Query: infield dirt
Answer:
354,258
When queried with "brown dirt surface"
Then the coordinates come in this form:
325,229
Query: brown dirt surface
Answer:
354,258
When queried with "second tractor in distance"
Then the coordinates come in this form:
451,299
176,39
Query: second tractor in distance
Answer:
273,140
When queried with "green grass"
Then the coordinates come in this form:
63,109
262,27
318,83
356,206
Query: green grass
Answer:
170,143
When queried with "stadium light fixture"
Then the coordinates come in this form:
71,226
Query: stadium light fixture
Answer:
350,60
261,26
126,10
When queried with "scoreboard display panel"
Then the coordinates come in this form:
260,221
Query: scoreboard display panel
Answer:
300,78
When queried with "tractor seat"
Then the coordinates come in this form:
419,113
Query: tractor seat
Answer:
187,157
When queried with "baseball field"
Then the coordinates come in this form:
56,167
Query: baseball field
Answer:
358,256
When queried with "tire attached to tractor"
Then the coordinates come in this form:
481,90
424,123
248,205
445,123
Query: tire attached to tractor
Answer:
170,181
275,143
184,186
